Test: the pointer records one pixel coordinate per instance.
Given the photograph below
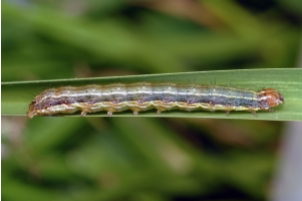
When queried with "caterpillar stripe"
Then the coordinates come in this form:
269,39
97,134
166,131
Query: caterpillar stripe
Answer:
145,96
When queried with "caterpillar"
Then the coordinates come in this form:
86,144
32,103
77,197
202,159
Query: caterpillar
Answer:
145,96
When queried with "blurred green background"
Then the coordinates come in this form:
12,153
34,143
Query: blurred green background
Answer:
140,159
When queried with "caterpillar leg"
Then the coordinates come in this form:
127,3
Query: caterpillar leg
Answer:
253,112
160,110
83,113
109,113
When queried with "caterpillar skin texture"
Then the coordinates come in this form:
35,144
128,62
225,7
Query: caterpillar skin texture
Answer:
145,96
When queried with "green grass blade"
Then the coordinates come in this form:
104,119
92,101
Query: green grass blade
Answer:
16,96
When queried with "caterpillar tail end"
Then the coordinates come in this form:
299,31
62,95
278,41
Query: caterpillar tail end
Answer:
31,114
32,110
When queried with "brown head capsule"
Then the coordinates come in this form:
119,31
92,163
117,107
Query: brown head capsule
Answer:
269,98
